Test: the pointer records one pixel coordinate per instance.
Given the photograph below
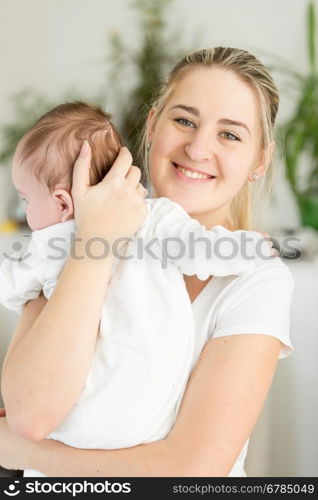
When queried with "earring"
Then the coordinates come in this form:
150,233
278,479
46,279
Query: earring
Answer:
255,177
148,146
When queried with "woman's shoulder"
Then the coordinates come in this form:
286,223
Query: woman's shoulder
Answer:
270,281
273,267
268,276
258,301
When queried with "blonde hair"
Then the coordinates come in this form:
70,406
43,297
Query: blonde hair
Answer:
248,205
49,149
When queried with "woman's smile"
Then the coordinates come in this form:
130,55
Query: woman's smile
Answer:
188,174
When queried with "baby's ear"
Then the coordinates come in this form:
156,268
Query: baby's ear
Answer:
64,203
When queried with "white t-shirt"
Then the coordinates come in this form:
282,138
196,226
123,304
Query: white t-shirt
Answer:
257,302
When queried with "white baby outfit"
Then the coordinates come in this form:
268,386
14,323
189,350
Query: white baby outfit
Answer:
150,334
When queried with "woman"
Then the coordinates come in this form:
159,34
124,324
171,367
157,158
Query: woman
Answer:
208,139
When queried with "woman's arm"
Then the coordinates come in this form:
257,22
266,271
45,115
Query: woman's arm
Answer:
52,360
221,405
27,318
45,372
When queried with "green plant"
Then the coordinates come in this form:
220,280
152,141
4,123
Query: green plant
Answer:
301,132
28,106
145,65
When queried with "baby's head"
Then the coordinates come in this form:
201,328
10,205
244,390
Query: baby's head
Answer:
43,161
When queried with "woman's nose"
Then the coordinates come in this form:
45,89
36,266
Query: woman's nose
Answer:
200,147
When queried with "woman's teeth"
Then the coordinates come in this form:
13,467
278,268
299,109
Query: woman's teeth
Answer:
190,173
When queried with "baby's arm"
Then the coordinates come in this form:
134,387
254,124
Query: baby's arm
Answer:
25,274
21,278
45,372
197,250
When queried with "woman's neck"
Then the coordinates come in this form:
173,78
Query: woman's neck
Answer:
215,218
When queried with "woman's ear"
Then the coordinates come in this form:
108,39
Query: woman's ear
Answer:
265,159
151,122
64,203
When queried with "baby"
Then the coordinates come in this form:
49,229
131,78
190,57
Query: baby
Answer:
145,343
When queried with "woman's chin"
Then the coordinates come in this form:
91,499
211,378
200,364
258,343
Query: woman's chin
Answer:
186,197
186,203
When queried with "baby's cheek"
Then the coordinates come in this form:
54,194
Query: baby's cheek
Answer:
41,216
29,221
34,218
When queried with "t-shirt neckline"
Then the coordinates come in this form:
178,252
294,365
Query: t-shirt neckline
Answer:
204,290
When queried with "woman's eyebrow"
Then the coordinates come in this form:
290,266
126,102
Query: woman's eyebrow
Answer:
227,121
190,109
222,121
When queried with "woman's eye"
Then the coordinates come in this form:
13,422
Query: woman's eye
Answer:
230,136
185,122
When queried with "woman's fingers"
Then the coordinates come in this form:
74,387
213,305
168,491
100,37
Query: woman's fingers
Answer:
120,166
133,176
81,170
142,190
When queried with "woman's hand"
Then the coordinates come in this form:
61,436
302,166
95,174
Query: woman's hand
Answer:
13,449
114,208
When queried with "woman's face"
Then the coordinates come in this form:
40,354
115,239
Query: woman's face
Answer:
206,143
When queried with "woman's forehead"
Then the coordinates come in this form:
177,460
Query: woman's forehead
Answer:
216,90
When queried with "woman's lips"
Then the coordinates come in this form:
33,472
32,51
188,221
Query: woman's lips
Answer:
180,173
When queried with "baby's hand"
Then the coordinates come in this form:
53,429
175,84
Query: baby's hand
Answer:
274,251
114,208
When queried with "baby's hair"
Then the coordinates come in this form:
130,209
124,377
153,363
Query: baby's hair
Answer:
50,148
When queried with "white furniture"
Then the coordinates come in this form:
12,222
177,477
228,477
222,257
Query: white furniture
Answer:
285,439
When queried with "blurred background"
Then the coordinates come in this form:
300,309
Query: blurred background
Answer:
114,54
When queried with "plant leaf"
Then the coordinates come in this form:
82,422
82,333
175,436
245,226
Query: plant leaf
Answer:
311,32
